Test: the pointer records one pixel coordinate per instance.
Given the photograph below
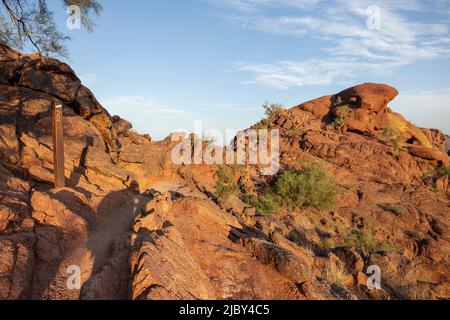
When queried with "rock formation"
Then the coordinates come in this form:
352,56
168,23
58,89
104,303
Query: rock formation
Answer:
139,226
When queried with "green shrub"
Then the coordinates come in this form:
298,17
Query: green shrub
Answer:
366,242
271,110
265,204
431,177
263,124
337,123
309,187
443,171
294,132
392,137
227,181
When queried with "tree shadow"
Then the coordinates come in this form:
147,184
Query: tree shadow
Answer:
46,264
107,244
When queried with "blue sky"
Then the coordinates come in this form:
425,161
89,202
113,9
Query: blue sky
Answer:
165,64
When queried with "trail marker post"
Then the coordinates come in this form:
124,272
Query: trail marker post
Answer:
58,147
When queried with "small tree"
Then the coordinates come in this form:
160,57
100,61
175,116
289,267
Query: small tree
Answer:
272,109
25,23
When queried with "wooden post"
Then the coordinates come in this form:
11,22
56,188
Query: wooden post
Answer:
58,147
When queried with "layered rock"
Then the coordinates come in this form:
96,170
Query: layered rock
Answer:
140,227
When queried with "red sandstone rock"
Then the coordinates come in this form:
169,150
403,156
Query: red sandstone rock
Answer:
175,240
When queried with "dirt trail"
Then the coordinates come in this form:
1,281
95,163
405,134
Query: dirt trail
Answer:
103,256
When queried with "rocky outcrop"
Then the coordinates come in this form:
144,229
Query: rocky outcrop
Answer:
137,226
389,170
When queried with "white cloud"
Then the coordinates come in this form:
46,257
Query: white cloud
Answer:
287,74
342,25
256,5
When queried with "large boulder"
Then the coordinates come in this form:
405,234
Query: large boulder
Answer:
368,96
429,154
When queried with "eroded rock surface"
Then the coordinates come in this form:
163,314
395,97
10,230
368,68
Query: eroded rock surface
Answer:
137,226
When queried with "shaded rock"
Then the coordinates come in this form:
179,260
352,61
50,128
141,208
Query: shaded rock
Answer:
121,126
282,260
99,166
52,77
353,261
86,105
16,266
7,216
323,290
65,209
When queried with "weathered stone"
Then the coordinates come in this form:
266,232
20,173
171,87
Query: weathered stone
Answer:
64,209
429,154
285,262
52,77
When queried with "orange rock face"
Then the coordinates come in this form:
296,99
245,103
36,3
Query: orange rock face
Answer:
137,226
368,96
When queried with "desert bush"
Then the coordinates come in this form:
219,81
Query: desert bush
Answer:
337,124
309,187
443,171
227,181
294,132
335,272
366,243
271,110
392,137
263,124
431,177
264,204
